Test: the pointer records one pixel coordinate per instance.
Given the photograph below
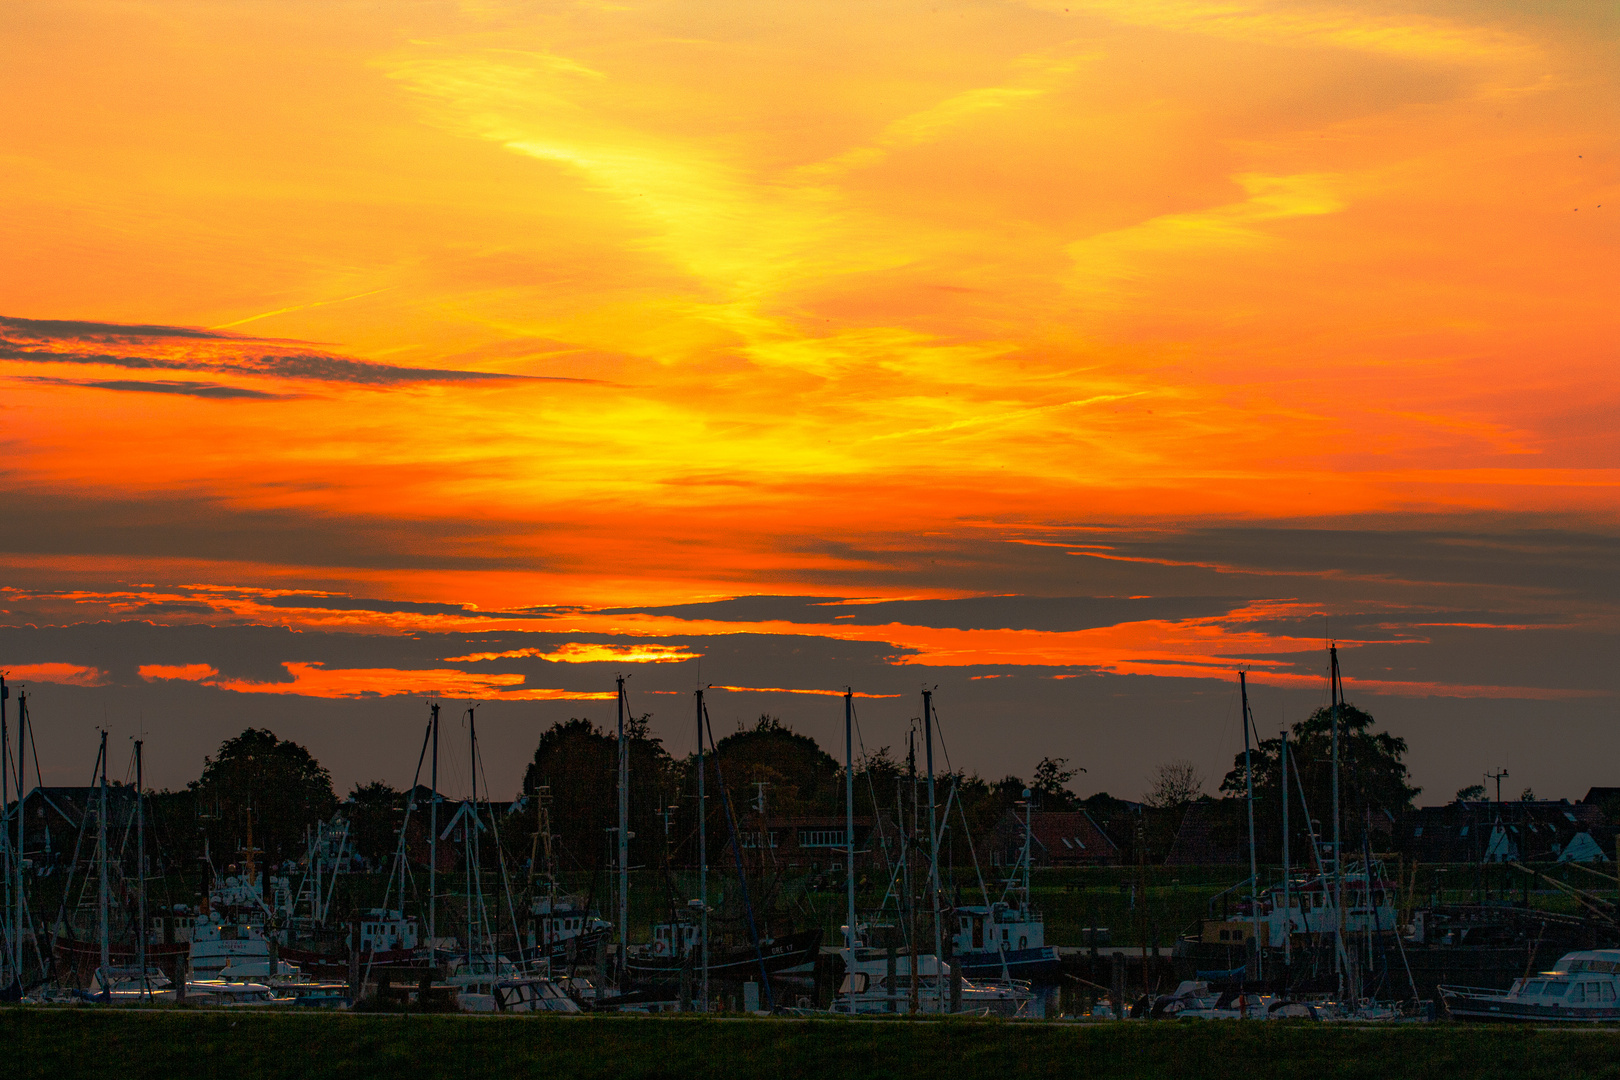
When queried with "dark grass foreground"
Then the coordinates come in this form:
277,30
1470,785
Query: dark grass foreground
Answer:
54,1044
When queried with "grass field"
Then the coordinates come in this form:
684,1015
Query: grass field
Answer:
58,1043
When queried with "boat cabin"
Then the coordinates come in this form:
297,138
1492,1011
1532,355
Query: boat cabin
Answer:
676,939
382,930
997,928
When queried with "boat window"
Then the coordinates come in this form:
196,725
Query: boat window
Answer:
1557,989
1577,966
1578,992
1533,988
1608,991
1604,966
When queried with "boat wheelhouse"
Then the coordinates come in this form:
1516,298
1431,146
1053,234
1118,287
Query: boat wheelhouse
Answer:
1003,940
1367,909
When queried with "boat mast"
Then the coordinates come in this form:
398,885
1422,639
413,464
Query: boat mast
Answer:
849,837
703,856
933,846
624,838
1029,804
101,866
140,866
1288,906
1338,865
433,838
21,921
1254,869
13,933
470,841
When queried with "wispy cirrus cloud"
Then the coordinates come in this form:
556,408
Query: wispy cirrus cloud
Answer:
180,348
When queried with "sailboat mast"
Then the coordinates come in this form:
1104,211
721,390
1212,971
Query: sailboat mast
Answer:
140,863
1254,869
624,836
1338,865
433,837
849,832
13,933
1288,905
101,864
21,921
703,855
933,846
1029,815
470,844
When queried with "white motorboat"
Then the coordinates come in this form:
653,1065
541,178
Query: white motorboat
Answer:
869,988
1582,987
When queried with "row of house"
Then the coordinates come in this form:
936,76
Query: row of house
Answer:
1470,831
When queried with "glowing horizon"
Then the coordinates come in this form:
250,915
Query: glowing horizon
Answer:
485,319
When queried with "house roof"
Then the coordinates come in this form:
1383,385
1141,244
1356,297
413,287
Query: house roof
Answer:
1064,834
1197,842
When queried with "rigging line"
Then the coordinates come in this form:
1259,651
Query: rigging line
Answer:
742,874
500,861
402,863
877,811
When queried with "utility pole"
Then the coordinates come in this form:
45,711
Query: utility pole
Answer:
1498,777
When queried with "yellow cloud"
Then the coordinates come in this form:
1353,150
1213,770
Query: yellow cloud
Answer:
1104,260
1303,24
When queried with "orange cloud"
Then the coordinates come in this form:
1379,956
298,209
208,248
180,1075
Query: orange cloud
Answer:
63,674
184,672
789,690
579,652
316,680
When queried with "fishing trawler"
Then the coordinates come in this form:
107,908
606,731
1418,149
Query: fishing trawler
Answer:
1006,939
675,944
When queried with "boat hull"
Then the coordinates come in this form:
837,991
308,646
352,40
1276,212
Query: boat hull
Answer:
1504,1009
735,964
1039,963
336,966
77,961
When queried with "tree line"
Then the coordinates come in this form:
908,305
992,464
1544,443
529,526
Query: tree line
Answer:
278,790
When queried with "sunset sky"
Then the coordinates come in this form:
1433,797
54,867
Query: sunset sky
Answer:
1069,356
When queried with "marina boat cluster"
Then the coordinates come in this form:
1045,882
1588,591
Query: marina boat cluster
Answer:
1325,941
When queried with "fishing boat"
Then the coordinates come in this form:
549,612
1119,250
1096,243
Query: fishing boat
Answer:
106,930
1006,939
664,960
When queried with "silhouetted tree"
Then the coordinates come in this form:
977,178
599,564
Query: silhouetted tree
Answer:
276,781
1372,782
375,811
